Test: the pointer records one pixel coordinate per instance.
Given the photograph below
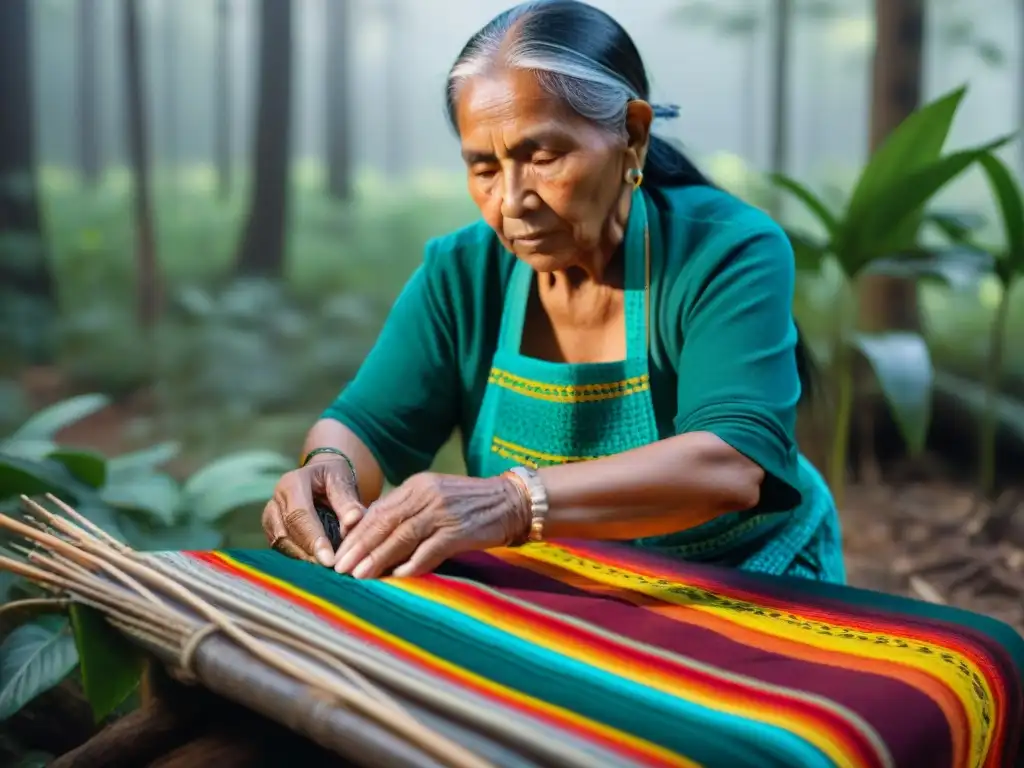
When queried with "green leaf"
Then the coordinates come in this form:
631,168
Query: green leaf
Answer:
1011,206
97,512
814,203
143,461
85,466
34,658
233,468
48,422
955,267
156,495
111,666
21,476
7,582
903,367
33,450
957,227
892,224
915,143
192,536
212,506
808,255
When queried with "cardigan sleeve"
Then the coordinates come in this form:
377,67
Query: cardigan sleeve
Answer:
737,373
404,401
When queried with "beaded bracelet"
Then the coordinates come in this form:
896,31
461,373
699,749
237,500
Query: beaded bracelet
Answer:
334,452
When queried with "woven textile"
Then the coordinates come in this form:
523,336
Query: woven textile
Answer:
647,661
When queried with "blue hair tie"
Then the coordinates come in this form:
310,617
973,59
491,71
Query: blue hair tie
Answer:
665,111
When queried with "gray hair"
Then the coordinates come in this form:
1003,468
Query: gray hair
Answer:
588,87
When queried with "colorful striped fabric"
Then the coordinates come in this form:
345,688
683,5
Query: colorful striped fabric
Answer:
652,662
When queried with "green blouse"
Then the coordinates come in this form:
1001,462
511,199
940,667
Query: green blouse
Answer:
722,348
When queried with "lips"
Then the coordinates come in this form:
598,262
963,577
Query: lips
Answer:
532,238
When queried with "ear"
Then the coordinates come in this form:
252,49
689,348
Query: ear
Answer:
639,116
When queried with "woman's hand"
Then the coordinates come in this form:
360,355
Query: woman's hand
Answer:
290,521
430,518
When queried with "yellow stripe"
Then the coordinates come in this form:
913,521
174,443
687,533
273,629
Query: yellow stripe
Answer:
805,727
622,578
581,393
553,458
611,734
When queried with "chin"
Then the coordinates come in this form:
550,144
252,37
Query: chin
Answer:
544,262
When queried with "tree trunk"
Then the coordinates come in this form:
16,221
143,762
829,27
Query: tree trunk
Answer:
396,161
779,161
338,33
170,89
890,303
148,296
222,103
24,268
262,246
1020,83
88,92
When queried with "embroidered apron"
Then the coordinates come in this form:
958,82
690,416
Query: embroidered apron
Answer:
540,413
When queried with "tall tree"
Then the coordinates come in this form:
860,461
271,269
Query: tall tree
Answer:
148,295
262,246
1020,83
222,100
170,86
88,27
781,51
887,302
396,159
23,264
337,63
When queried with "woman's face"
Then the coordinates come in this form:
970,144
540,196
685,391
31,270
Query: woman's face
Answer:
550,183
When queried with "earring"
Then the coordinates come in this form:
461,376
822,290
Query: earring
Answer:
635,177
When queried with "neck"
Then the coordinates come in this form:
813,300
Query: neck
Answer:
602,264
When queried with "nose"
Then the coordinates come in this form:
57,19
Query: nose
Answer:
514,193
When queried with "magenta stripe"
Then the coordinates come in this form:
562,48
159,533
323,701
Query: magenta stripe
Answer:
883,703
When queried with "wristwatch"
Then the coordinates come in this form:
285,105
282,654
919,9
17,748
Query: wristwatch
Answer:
537,495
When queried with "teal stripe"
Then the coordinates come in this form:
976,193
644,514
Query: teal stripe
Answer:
701,734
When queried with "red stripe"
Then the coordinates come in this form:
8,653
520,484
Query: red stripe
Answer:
566,633
552,719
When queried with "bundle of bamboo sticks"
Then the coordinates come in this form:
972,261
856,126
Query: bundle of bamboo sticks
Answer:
172,613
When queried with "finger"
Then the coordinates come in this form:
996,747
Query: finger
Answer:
338,488
390,503
427,557
289,548
273,525
394,550
370,533
301,521
351,519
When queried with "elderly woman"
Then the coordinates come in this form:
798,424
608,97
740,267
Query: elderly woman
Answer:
614,341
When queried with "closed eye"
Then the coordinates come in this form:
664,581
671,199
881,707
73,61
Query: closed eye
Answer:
483,171
544,158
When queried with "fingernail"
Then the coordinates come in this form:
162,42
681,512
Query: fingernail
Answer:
323,552
362,569
344,565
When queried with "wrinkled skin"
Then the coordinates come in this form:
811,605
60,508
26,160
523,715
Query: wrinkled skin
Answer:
556,190
289,519
430,518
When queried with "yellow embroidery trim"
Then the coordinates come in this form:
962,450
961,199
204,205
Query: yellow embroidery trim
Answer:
530,457
581,393
947,664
